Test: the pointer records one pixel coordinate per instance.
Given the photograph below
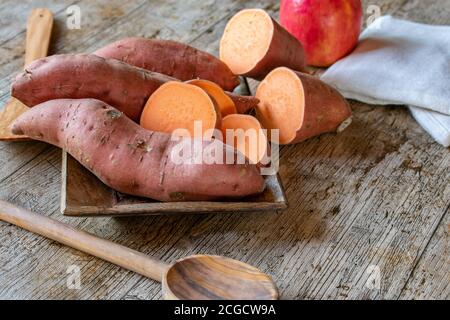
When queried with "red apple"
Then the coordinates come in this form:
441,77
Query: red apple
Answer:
328,29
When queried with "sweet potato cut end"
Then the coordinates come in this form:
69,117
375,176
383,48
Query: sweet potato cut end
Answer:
252,145
282,102
246,40
225,103
176,105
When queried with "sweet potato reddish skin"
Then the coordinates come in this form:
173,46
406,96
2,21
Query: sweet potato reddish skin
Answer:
171,58
129,158
78,76
87,76
325,108
243,103
284,51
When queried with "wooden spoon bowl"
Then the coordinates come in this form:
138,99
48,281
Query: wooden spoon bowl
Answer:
203,277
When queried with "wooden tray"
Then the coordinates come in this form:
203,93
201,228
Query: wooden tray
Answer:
84,195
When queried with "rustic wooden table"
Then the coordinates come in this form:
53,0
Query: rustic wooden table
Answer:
371,201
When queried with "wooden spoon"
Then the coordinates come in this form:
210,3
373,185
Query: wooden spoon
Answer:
39,29
199,277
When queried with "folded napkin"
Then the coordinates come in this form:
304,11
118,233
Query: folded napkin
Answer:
435,123
401,62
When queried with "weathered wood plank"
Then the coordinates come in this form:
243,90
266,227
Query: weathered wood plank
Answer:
14,155
345,215
431,276
384,247
35,267
430,12
14,17
97,276
371,196
95,17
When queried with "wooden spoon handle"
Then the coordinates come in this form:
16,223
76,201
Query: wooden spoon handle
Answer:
39,30
83,241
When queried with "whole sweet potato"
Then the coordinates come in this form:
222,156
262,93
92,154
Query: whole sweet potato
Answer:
171,58
131,159
87,76
78,76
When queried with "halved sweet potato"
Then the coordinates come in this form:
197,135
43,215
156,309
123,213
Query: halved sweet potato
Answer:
300,106
244,133
225,103
177,105
253,44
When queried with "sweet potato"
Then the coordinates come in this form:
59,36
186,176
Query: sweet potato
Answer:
225,103
171,58
88,76
246,135
178,105
243,103
300,106
253,44
129,158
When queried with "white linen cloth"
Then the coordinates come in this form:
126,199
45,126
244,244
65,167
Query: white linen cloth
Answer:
400,62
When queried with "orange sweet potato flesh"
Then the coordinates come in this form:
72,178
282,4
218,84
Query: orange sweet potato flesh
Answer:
253,44
300,106
246,135
131,159
78,76
172,58
224,102
177,105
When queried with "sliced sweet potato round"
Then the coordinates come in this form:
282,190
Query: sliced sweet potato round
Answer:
177,105
253,44
244,133
300,106
225,103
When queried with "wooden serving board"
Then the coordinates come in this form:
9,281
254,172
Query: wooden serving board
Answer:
83,194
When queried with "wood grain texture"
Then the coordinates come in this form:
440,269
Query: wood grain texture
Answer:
39,29
198,277
83,241
430,278
203,277
375,195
